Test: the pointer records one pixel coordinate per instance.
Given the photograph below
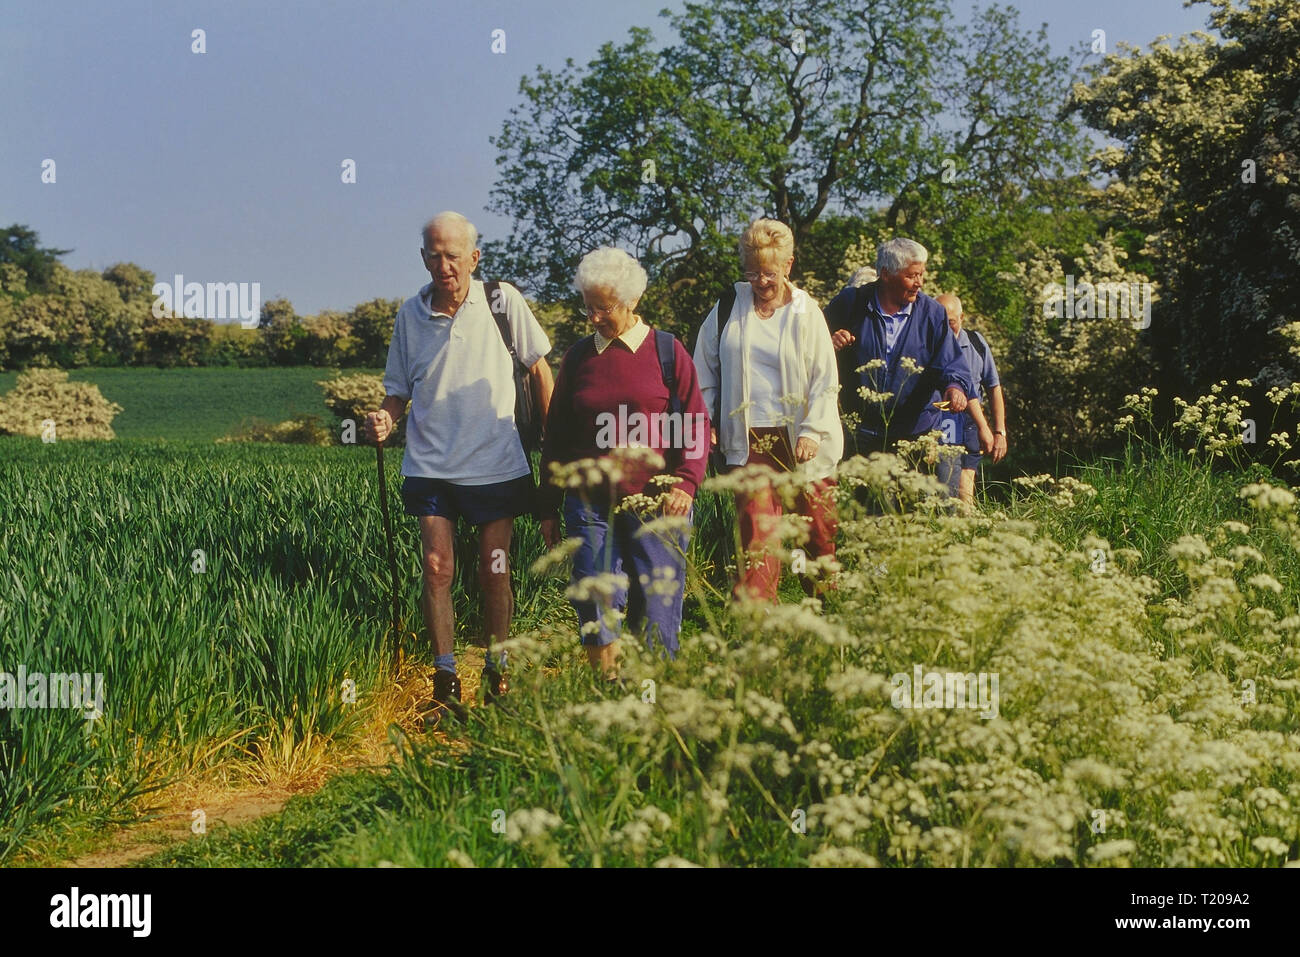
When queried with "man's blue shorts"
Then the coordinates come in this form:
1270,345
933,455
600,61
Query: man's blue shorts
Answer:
971,460
477,504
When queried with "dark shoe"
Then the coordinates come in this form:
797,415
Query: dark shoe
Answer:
446,700
495,685
614,685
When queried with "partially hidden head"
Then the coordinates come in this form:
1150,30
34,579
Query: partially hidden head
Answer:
951,305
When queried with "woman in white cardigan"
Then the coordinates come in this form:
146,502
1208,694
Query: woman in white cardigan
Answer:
771,383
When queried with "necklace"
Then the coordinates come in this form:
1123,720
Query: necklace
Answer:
767,312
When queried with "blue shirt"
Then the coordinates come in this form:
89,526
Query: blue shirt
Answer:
959,427
983,372
893,323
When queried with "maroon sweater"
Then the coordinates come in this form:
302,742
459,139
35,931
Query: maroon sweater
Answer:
603,401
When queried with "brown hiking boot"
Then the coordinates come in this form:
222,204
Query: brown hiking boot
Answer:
495,685
445,701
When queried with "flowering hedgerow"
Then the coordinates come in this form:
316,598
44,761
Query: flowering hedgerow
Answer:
1124,728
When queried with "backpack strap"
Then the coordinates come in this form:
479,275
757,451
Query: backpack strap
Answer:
981,349
726,303
862,303
851,318
497,303
664,345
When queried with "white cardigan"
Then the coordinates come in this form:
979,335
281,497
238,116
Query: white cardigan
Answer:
808,369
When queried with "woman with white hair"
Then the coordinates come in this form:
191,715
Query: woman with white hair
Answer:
768,374
625,385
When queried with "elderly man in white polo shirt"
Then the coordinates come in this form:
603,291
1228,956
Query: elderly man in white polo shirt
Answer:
464,458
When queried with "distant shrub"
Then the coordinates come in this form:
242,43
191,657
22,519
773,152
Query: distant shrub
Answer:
78,409
232,345
304,430
354,396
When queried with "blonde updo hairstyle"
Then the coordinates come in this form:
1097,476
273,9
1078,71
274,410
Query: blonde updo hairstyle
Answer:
766,239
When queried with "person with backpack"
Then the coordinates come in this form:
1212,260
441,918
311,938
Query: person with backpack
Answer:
468,356
768,374
971,429
624,386
904,356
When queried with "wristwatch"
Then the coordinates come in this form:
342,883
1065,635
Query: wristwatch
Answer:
1001,432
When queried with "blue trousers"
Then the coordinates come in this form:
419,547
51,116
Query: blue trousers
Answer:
654,568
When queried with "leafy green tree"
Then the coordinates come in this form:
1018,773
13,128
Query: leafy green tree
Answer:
174,340
133,282
21,246
283,334
230,344
7,319
1206,164
801,111
329,341
75,317
1066,376
13,280
49,330
370,326
114,330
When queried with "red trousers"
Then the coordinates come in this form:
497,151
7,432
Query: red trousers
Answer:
758,513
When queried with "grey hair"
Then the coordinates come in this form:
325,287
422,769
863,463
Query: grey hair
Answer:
612,269
897,254
450,218
863,276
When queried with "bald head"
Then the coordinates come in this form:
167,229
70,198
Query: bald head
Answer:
952,306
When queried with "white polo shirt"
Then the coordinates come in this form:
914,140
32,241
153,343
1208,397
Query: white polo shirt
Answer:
457,373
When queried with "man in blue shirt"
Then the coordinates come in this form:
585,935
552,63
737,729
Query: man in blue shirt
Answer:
970,429
906,355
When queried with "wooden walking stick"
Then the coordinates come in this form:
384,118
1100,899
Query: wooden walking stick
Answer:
392,558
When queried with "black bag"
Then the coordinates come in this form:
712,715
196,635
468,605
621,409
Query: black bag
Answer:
981,350
528,418
717,458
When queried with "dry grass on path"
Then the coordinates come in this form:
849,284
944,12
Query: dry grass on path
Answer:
248,789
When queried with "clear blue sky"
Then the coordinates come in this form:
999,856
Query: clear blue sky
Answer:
226,166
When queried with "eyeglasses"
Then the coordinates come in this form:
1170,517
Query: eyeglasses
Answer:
764,275
591,313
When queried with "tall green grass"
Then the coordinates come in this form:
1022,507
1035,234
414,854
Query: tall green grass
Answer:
241,659
1147,497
